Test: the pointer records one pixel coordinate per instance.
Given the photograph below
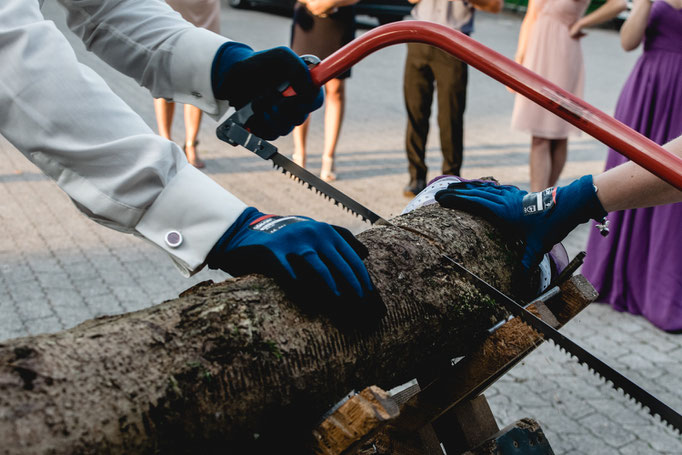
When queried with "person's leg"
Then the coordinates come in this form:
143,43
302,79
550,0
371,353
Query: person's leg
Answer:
300,134
333,118
418,94
559,151
164,116
451,82
540,163
192,122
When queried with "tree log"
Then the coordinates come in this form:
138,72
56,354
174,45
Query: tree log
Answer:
237,367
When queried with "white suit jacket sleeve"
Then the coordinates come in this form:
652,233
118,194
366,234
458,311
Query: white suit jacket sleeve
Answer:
62,116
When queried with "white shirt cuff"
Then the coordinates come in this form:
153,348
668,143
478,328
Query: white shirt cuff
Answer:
191,64
189,217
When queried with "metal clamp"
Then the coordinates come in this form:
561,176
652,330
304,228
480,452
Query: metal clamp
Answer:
233,132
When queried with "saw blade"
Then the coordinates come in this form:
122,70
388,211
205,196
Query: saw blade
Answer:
313,182
232,132
653,405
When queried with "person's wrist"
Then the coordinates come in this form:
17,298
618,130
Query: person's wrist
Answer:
213,259
588,204
597,211
227,55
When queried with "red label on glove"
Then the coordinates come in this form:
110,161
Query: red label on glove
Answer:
273,223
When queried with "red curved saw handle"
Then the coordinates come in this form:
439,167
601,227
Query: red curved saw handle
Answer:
591,120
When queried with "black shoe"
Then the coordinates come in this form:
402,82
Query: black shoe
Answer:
414,187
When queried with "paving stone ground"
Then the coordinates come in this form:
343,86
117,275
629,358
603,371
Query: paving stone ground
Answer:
58,269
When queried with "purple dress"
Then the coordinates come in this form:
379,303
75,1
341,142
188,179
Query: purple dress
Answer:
638,267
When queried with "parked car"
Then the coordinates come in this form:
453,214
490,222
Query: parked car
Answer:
384,11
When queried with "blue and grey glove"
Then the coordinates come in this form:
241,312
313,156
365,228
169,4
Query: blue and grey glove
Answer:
313,261
240,75
541,219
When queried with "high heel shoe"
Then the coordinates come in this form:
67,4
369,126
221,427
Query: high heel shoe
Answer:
327,171
193,156
299,159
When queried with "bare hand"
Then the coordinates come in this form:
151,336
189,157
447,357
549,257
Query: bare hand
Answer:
576,31
320,7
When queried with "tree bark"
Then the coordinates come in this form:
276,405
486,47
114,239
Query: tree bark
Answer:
236,367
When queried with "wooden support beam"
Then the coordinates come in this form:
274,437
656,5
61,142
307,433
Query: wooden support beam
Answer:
495,356
466,425
479,369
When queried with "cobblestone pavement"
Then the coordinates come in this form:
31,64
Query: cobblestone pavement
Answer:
58,269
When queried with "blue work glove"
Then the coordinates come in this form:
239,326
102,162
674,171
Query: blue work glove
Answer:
315,262
540,219
240,75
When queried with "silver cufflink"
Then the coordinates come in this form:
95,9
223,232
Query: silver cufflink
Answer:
173,239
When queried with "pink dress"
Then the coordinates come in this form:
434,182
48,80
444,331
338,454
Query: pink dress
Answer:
554,55
202,13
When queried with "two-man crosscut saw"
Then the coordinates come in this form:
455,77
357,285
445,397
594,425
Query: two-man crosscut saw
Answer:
586,117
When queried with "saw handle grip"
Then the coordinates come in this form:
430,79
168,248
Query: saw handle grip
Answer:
312,61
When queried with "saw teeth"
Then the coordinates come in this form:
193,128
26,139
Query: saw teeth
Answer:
657,417
317,191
